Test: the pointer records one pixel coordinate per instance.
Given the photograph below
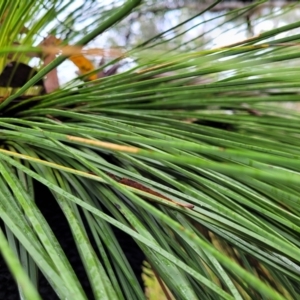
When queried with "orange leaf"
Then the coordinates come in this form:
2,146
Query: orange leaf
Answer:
84,65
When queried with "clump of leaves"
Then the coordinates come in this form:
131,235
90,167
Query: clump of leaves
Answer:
194,131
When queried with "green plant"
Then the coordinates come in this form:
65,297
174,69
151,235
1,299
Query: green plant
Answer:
225,221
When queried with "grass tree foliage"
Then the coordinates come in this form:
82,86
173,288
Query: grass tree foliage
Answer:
219,217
